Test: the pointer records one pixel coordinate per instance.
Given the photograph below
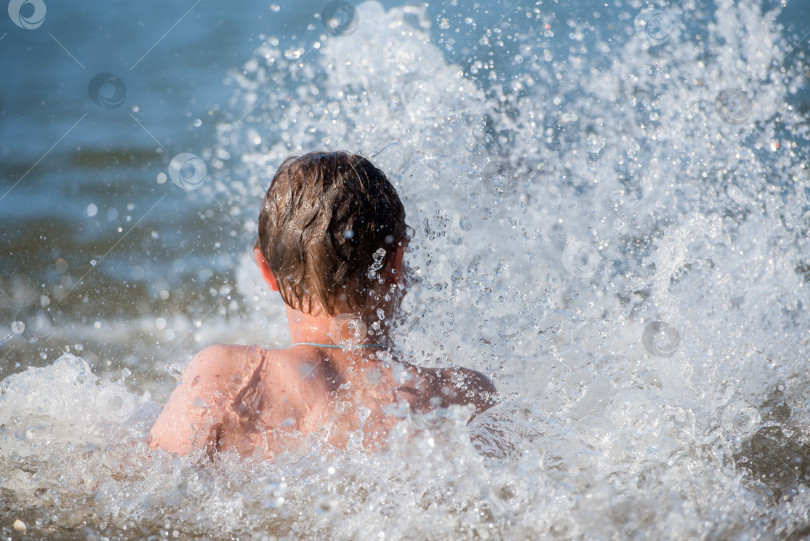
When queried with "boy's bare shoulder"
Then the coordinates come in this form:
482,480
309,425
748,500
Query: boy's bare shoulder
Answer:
219,362
457,385
226,360
221,352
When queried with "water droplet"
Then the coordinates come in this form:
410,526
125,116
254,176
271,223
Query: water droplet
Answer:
362,415
175,370
633,148
378,256
595,143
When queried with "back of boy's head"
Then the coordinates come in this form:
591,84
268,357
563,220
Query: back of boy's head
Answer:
328,227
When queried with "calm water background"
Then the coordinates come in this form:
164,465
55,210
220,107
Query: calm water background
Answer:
134,274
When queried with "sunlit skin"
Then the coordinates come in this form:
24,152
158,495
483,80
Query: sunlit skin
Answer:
262,402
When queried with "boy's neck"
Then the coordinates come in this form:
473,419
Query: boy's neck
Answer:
319,328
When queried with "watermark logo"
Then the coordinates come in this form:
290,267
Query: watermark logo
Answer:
661,339
187,171
740,419
420,97
340,18
580,259
391,157
508,492
653,25
107,90
28,14
347,330
733,106
431,419
198,486
116,404
34,323
500,178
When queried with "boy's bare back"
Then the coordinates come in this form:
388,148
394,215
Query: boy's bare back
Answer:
262,402
331,241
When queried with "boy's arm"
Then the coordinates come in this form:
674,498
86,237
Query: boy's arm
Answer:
195,407
467,386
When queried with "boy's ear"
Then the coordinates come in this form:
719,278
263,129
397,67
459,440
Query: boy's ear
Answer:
264,268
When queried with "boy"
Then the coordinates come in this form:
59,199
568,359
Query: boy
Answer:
332,236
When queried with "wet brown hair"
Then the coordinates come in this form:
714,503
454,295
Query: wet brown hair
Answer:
322,223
